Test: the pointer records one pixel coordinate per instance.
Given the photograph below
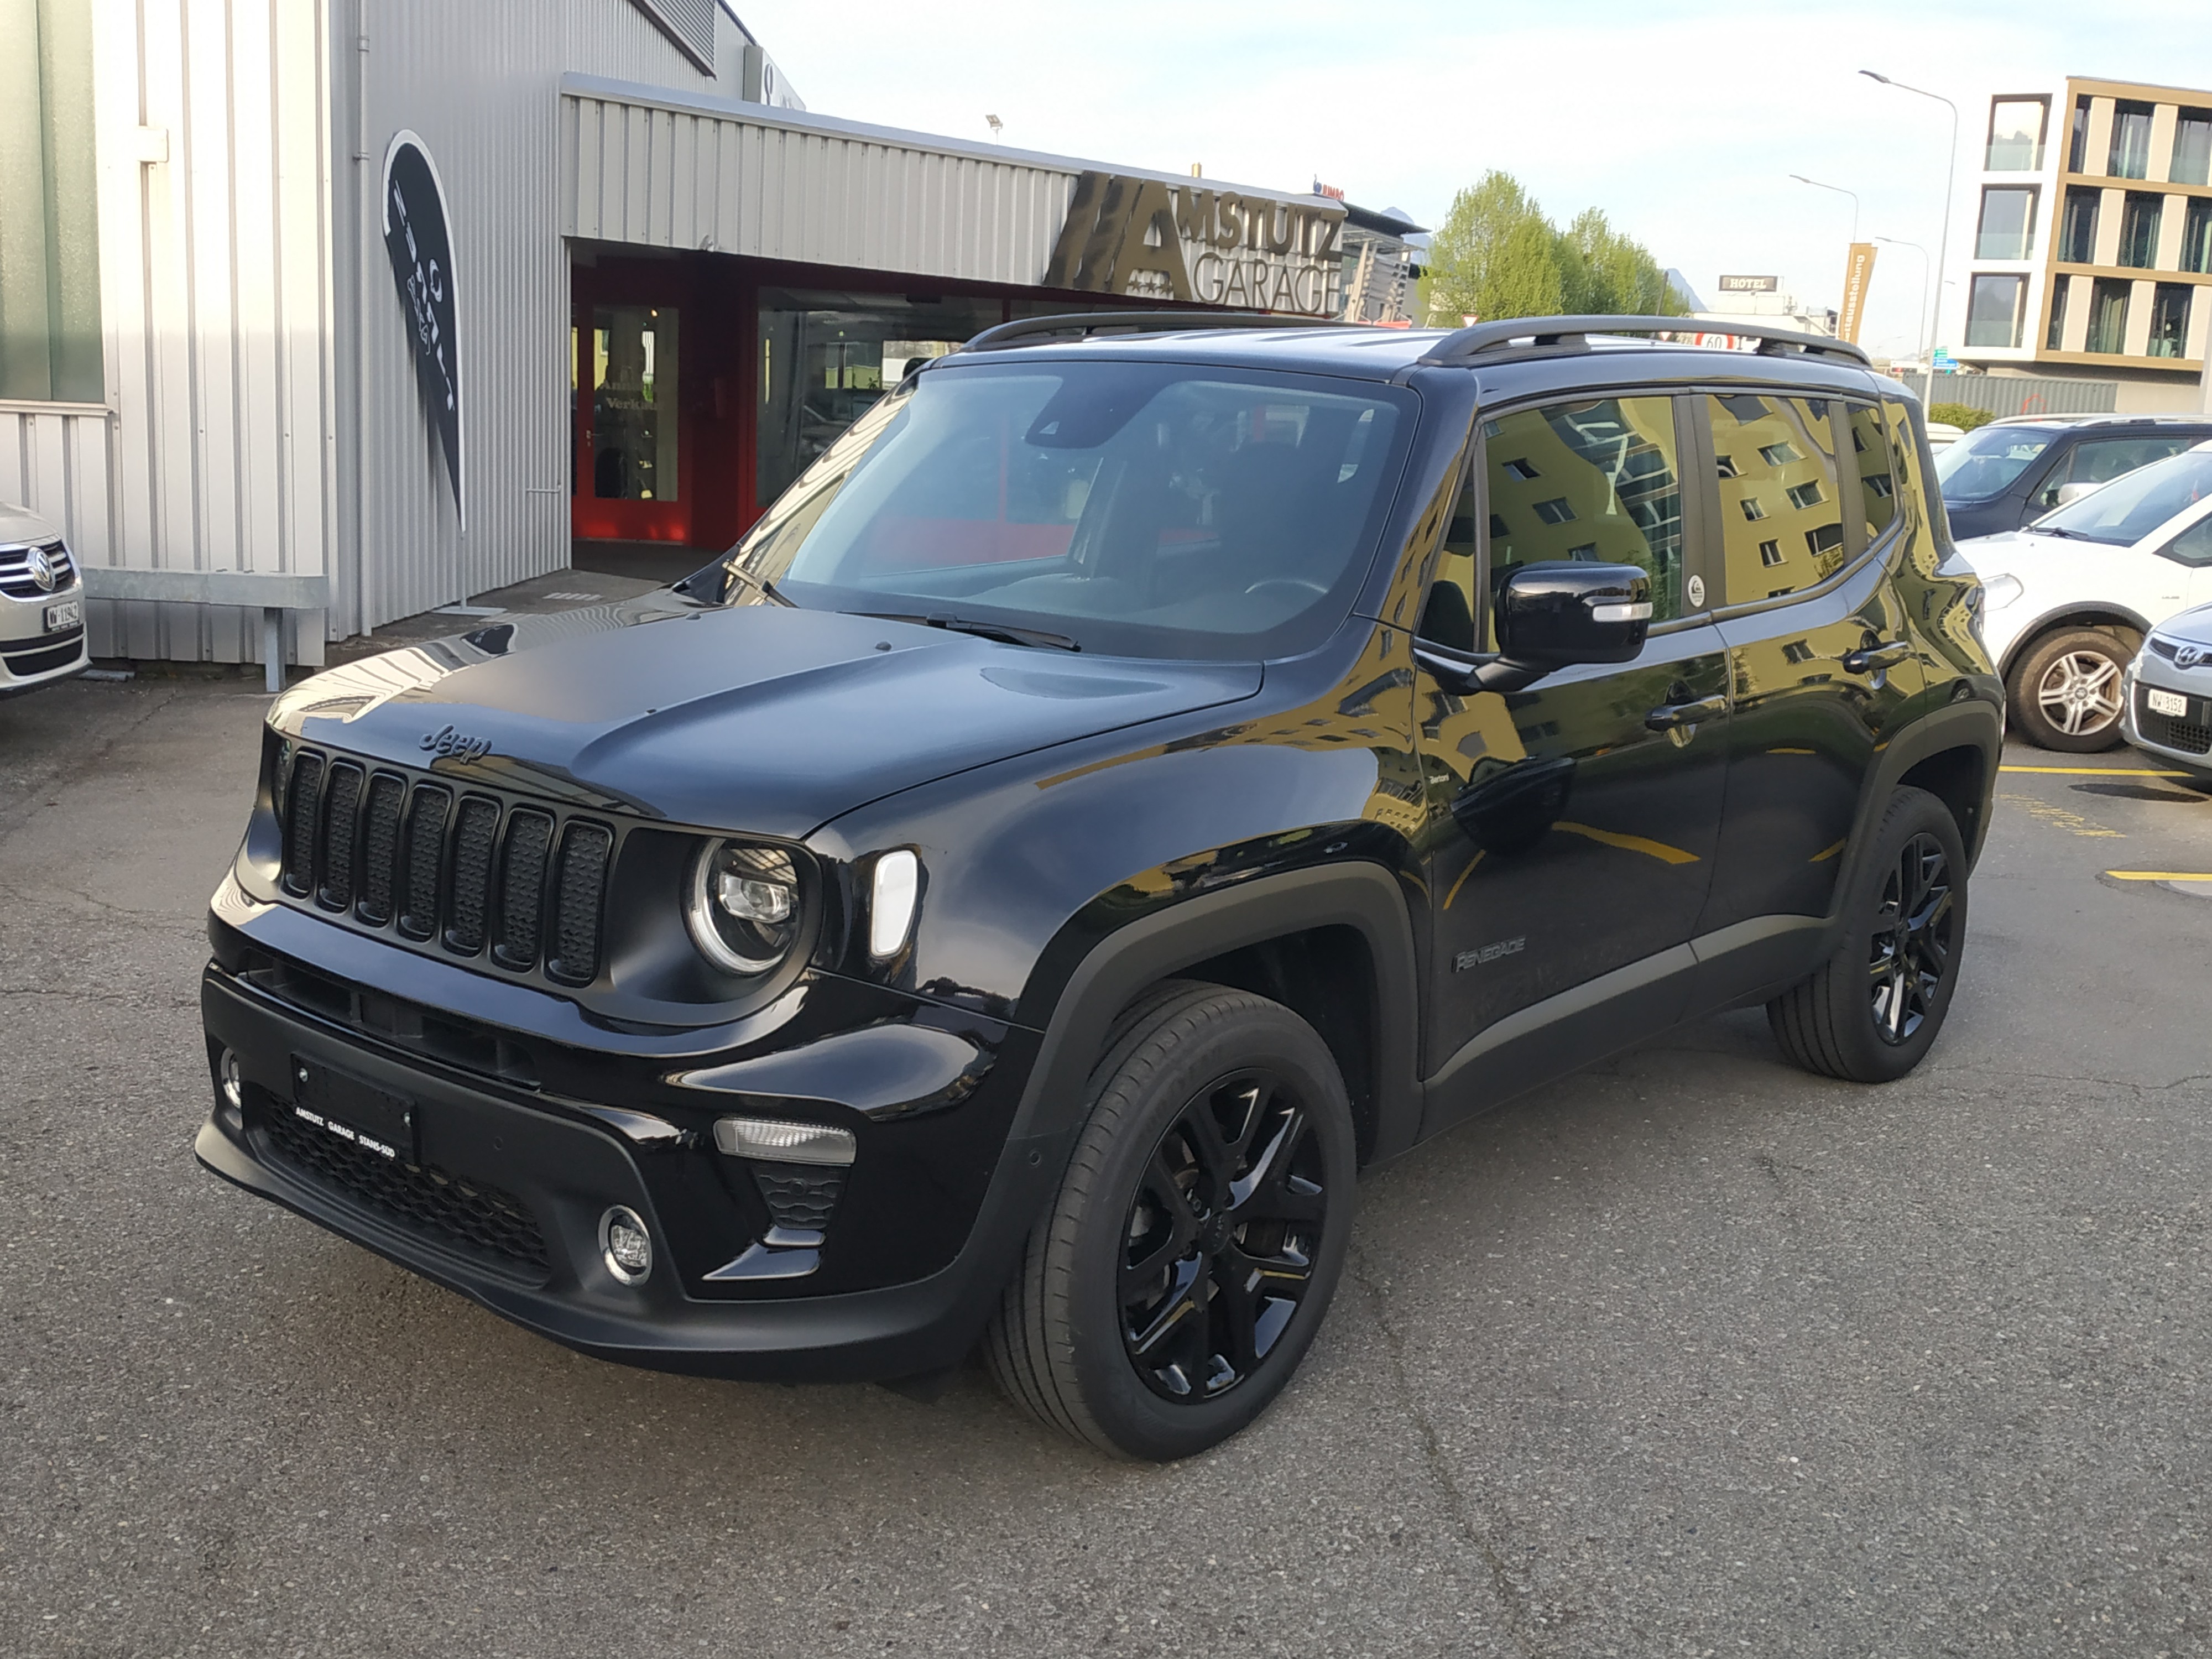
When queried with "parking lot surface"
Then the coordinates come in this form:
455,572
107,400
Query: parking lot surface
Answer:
1691,1354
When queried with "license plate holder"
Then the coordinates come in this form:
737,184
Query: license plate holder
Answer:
2170,703
67,613
349,1109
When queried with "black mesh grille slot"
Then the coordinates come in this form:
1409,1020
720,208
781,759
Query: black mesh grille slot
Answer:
522,888
301,801
475,829
340,803
379,848
426,845
581,886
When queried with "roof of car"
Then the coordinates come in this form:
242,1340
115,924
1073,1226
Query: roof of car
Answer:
1365,352
2069,421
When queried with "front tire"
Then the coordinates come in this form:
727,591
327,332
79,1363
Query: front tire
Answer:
2065,691
1871,1011
1198,1235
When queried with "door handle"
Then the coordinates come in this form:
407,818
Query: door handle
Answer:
1869,659
1668,716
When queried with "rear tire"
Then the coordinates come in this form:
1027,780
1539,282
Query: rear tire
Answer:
1198,1234
2065,691
1871,1011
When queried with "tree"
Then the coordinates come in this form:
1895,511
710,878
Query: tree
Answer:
1497,256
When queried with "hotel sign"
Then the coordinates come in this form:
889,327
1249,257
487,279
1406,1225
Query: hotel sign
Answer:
1750,284
1150,239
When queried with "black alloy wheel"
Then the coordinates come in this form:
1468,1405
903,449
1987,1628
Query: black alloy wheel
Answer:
1221,1237
1874,1007
1910,948
1198,1233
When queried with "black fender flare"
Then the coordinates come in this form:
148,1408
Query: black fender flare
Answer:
1356,894
1968,722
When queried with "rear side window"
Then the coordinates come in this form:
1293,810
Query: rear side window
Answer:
1869,453
1595,482
1782,522
1904,460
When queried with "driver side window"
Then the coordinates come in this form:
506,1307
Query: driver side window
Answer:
1597,481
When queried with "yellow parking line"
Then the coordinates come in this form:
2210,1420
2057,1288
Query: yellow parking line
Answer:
2159,875
1789,752
1825,853
2097,771
1657,849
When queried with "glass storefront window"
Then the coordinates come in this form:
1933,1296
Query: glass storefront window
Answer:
632,358
826,357
2016,135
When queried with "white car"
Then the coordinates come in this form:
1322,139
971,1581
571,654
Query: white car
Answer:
2069,600
41,605
2169,695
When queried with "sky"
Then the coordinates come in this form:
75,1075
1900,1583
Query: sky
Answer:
1682,122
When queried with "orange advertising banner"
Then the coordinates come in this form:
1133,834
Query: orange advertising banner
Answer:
1858,273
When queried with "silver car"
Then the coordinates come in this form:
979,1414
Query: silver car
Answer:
2167,695
42,635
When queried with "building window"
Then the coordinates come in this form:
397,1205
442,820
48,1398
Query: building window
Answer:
50,347
2077,145
2016,134
1787,493
2193,148
2139,229
2197,235
2169,321
2131,152
2108,315
2008,224
1993,305
2077,236
2060,288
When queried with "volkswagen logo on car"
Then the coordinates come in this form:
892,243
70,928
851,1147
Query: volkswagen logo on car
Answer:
41,570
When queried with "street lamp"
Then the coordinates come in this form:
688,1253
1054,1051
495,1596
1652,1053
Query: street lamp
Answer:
1950,182
1840,190
1925,348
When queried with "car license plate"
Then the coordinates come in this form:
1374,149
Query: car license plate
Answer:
351,1110
68,614
2165,703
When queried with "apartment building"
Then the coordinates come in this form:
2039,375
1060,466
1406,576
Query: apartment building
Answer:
2093,240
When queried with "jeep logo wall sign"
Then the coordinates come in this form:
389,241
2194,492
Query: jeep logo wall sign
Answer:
447,741
1151,239
422,250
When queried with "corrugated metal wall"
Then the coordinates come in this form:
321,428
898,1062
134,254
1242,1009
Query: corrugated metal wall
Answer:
479,84
2017,394
214,453
790,188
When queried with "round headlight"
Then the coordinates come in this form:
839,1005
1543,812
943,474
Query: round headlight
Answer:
743,909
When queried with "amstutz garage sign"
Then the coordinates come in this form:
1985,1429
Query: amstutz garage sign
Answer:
1160,241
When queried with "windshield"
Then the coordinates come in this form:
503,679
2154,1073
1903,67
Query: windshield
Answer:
1980,464
1138,509
2130,507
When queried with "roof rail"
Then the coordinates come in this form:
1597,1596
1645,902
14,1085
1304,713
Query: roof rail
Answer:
1027,330
1464,346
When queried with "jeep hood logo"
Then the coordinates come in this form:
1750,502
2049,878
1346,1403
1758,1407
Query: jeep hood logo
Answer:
446,741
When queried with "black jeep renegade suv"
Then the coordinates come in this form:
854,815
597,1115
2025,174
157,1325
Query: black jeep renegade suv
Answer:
1131,781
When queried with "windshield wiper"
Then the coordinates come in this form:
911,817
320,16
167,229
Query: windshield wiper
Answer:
984,630
761,585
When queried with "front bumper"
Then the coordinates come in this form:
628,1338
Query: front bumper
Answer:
560,1171
31,655
2183,741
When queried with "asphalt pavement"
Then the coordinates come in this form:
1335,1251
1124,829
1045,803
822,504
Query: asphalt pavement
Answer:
1691,1354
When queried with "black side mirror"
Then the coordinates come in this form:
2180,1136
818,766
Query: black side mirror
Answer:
1549,615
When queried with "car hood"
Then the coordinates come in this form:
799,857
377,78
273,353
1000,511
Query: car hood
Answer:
2192,626
758,717
2018,549
19,524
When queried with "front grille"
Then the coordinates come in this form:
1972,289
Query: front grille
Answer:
54,651
472,1214
456,873
2186,736
15,572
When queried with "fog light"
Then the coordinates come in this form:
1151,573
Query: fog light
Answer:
233,1080
625,1245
